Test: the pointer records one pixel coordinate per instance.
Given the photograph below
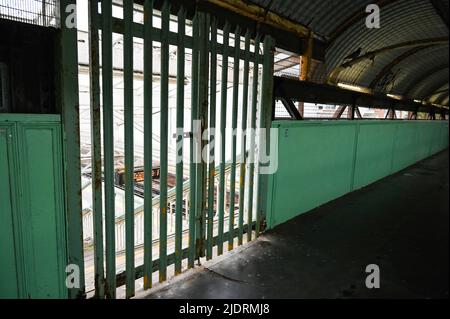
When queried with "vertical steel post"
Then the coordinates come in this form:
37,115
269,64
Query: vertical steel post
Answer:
252,158
71,126
243,161
203,116
148,143
108,148
223,120
165,18
237,49
265,125
129,145
96,154
193,146
180,130
212,140
305,67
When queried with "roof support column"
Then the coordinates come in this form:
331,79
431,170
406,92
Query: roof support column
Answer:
305,67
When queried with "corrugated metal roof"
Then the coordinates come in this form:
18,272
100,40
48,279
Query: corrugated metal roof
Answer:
401,21
364,72
433,83
411,68
439,97
321,16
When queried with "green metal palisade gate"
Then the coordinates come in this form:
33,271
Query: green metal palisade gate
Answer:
205,213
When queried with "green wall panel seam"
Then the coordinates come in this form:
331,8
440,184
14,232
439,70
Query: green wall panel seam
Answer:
355,153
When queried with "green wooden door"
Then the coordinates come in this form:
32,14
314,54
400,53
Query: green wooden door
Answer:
32,208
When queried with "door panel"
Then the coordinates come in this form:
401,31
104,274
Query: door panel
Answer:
43,209
8,260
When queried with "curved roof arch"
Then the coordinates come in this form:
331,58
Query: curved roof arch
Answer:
416,66
406,44
433,83
439,96
397,27
401,66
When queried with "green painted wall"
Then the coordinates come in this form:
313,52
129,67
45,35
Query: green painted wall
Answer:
405,146
320,161
303,170
32,226
375,144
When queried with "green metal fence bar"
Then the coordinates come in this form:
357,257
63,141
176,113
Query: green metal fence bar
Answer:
71,127
108,149
129,146
243,161
96,153
180,128
223,119
165,13
251,177
199,142
203,116
148,143
237,43
265,124
212,140
192,168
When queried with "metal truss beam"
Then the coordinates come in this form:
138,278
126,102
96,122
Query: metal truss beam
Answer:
290,107
309,92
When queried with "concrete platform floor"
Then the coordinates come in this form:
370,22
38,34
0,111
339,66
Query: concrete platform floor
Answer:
401,223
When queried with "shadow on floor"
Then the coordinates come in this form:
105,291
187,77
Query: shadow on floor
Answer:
401,224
